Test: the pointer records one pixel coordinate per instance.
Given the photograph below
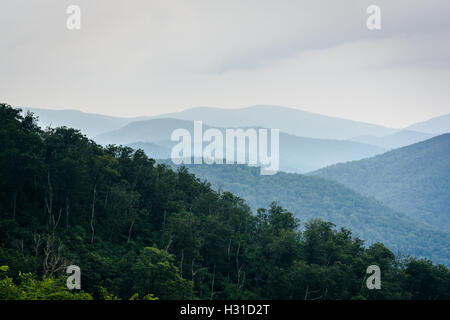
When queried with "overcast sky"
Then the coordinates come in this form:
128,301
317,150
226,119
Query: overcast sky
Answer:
146,57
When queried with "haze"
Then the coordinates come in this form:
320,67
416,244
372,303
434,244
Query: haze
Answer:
141,57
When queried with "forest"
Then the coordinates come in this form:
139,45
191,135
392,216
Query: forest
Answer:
141,230
310,197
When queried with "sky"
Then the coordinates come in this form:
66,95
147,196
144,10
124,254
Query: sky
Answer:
147,57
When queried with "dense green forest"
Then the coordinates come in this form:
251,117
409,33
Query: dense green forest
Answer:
414,179
140,230
314,197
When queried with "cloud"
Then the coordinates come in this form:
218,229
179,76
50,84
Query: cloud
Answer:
165,55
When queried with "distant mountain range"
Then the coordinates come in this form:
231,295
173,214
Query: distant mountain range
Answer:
297,154
90,124
308,141
289,120
144,131
313,197
414,179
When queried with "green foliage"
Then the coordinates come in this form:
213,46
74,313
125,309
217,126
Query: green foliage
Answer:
311,197
146,297
29,288
143,231
154,272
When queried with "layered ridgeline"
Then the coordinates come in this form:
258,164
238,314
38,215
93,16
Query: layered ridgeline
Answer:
313,197
414,179
289,120
90,124
297,154
437,125
141,230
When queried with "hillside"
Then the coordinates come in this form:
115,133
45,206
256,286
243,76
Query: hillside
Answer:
143,231
289,120
313,197
436,125
414,179
145,131
297,154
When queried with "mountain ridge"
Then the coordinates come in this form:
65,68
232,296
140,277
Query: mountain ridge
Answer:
435,125
290,120
315,197
297,154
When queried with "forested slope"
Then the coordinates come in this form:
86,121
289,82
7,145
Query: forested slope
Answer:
313,197
141,230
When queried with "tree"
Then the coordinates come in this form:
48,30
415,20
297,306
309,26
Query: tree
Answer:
155,273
